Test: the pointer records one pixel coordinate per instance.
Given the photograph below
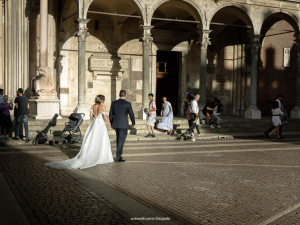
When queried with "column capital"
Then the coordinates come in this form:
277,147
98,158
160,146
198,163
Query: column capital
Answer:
204,39
255,43
146,38
82,33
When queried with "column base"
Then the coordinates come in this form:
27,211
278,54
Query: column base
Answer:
254,114
83,109
142,115
295,113
43,109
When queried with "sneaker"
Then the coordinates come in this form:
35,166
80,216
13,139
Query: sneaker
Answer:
16,138
6,139
218,127
27,140
192,135
211,126
149,135
203,121
153,135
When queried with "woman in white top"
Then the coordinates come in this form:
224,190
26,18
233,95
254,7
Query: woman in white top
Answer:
276,111
166,121
95,148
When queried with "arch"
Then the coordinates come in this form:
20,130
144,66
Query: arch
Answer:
189,2
287,15
243,9
65,10
137,4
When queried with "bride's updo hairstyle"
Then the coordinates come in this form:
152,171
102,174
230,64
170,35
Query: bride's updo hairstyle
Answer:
99,99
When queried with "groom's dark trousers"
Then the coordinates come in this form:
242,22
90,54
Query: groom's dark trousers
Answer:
121,138
118,116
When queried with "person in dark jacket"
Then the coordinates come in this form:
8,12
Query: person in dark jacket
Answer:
208,110
118,116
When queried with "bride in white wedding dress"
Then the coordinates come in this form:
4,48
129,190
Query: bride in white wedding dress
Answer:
95,147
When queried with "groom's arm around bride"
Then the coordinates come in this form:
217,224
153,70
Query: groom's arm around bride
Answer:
118,116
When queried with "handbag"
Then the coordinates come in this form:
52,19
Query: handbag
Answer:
281,117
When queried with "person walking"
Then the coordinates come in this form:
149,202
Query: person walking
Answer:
279,99
95,148
118,116
5,118
22,106
276,111
194,111
188,112
166,122
151,116
186,95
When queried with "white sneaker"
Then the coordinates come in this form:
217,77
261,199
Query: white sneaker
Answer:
203,121
193,135
218,127
211,126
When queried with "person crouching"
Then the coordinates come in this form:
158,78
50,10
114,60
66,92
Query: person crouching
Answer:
208,110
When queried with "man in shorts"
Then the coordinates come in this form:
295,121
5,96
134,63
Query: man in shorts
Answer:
152,116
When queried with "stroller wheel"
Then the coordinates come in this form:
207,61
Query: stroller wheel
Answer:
60,142
68,143
34,142
51,142
181,138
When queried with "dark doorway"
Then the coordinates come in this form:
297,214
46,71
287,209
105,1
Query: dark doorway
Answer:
167,79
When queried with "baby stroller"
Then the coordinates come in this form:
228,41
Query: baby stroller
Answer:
186,134
41,137
72,127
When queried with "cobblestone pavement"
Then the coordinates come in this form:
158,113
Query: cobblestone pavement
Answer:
204,182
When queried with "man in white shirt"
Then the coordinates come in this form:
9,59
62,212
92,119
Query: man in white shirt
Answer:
194,110
1,96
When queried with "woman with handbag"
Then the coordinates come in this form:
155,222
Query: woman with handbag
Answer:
5,117
276,119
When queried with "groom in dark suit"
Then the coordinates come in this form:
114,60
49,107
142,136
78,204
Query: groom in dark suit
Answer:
118,117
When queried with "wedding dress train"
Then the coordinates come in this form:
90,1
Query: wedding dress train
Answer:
95,148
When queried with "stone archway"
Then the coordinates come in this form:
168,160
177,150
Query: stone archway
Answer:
278,61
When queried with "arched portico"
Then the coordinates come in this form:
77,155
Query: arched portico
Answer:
284,67
82,11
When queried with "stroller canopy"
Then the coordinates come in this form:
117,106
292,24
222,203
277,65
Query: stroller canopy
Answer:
75,120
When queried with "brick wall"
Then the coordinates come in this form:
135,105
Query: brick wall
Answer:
273,78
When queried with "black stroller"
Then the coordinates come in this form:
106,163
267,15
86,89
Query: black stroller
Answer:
41,137
72,127
186,134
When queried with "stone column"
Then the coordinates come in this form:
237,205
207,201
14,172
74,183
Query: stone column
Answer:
82,34
295,113
253,112
43,32
205,42
147,40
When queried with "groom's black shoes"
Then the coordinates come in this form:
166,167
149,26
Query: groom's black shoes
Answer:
120,160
